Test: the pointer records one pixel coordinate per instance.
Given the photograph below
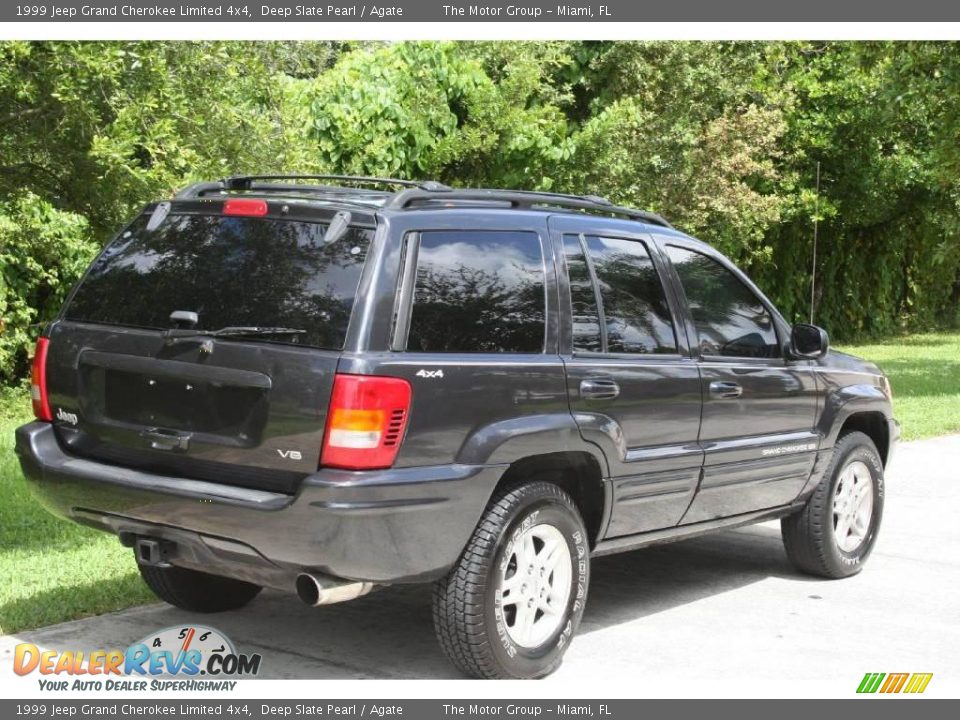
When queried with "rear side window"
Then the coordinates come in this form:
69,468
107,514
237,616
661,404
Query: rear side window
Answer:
729,318
583,299
636,316
478,291
231,271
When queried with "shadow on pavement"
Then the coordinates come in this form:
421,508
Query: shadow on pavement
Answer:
389,634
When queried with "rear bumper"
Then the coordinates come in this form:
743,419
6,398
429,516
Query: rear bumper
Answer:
389,526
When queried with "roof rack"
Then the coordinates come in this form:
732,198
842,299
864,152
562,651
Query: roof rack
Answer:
521,199
421,192
245,182
249,182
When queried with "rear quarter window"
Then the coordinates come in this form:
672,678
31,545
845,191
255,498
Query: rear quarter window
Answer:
478,292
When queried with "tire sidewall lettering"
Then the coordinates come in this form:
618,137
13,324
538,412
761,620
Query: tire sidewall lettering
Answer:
556,515
855,559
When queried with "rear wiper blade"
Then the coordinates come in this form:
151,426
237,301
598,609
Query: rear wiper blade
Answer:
178,333
258,331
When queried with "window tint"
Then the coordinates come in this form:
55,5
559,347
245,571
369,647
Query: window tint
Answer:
583,300
231,271
478,292
729,318
635,310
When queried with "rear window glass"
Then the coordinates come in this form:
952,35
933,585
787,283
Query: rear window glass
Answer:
478,291
231,271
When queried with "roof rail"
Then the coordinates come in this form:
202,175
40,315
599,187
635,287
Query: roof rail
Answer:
249,182
198,189
245,182
522,199
424,191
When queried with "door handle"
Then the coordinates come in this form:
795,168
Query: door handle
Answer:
721,389
159,439
599,388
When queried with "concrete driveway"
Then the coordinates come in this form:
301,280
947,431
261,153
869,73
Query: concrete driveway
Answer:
728,607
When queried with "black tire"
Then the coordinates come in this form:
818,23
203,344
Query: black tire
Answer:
809,536
197,591
469,615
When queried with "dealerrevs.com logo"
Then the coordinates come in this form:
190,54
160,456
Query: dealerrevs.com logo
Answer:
175,658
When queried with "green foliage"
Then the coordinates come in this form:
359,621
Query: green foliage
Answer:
391,111
722,138
101,128
433,110
42,253
886,209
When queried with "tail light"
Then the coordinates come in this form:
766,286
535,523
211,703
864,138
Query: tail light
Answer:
366,422
38,381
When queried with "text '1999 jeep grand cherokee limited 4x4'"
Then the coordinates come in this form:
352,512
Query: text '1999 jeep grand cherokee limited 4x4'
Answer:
312,384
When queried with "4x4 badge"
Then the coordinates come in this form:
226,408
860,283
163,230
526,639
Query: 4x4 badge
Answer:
430,373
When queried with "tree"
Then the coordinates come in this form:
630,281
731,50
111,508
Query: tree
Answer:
722,138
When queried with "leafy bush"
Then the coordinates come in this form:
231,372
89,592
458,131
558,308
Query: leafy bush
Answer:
42,253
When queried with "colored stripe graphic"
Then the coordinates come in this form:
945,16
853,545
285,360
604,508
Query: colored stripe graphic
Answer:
894,682
918,682
870,682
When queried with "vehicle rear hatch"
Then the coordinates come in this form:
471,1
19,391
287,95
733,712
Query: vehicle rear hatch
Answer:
203,342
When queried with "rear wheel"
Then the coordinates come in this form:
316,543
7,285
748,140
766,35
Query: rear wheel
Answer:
197,591
512,603
835,532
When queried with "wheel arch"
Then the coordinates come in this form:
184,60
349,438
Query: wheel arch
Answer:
576,472
546,447
861,408
873,424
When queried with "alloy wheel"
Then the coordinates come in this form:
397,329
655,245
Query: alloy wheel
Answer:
535,585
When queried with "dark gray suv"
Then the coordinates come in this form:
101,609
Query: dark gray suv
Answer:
313,384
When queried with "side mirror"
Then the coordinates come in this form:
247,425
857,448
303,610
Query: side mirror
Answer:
808,341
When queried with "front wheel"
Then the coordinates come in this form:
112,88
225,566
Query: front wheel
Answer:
512,603
834,534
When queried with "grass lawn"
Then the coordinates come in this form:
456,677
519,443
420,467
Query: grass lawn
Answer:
52,570
924,372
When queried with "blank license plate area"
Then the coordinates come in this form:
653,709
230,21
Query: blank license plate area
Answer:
185,405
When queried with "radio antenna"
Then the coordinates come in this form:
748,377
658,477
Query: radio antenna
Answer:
816,217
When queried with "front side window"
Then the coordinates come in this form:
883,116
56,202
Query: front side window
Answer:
635,311
730,319
478,291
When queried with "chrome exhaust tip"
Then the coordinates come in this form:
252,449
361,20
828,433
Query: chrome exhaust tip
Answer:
317,590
